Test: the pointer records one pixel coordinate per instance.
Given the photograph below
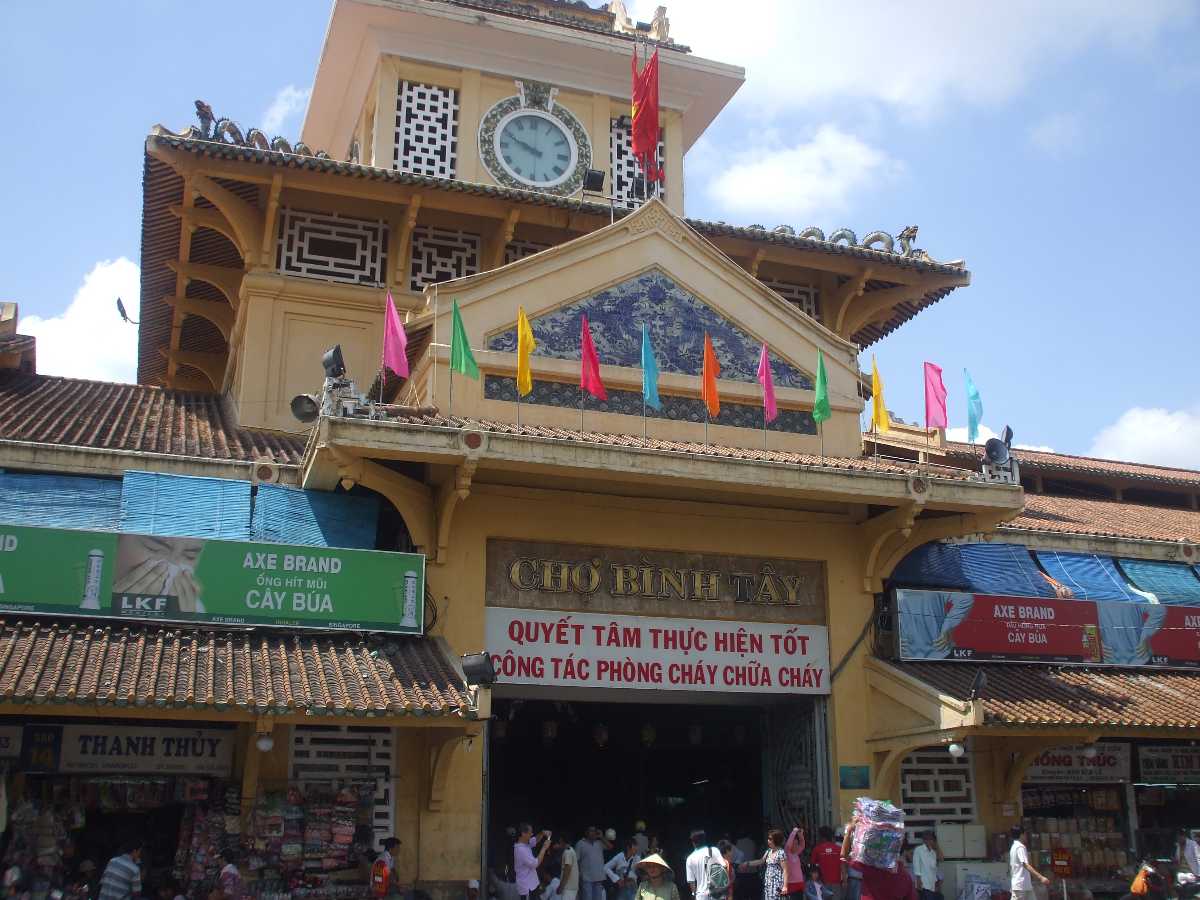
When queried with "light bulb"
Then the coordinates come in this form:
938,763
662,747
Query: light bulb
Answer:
265,743
956,750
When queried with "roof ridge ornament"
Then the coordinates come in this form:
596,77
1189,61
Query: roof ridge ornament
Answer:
224,130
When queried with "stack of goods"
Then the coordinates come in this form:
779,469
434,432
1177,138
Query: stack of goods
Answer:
291,850
878,833
345,815
318,828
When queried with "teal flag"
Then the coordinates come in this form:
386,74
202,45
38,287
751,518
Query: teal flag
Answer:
974,409
649,371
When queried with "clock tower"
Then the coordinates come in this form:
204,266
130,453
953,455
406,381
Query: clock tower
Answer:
527,96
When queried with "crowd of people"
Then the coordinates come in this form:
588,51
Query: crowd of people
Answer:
549,865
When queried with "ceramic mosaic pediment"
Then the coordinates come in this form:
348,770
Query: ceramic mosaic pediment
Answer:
677,319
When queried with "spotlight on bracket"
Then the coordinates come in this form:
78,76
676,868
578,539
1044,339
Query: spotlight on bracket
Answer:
333,363
998,462
593,181
478,669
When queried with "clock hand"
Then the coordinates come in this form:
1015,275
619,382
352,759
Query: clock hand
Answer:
532,149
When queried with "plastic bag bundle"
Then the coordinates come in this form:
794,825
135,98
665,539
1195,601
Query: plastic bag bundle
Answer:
878,833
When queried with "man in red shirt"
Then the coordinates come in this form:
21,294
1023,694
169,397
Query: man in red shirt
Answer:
827,857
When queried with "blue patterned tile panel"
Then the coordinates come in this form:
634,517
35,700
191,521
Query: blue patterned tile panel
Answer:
629,403
677,320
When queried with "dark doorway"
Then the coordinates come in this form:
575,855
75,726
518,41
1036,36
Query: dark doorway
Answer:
564,765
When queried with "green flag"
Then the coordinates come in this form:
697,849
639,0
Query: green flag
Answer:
821,407
461,358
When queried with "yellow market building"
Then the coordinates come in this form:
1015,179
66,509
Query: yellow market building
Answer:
686,615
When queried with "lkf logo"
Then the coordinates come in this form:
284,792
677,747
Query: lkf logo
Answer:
142,604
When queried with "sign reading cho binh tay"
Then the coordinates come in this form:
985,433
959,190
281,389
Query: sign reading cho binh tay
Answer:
173,579
551,575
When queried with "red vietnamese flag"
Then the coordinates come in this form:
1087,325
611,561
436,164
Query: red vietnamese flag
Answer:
589,369
644,136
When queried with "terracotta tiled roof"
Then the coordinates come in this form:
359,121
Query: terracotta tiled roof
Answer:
258,671
1077,515
1038,461
691,448
16,343
74,412
1034,695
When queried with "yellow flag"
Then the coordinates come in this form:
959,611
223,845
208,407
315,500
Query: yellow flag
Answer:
525,346
879,413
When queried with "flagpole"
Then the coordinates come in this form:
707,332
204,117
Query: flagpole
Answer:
645,424
581,398
433,347
821,435
450,404
518,406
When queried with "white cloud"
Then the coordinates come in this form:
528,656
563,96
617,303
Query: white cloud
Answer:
803,181
918,57
289,102
88,339
959,433
1157,436
1057,135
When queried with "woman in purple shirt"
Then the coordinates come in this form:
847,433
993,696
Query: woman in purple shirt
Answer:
525,863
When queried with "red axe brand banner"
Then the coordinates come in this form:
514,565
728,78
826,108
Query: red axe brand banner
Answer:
134,576
955,625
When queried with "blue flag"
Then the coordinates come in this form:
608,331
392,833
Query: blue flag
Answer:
974,409
649,371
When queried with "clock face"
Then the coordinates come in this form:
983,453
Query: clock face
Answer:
535,148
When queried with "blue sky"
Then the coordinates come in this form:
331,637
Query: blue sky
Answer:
1052,146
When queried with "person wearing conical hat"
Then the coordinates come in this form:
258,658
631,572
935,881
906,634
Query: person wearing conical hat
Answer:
660,880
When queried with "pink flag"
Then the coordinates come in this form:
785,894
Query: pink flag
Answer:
768,385
589,370
395,341
935,397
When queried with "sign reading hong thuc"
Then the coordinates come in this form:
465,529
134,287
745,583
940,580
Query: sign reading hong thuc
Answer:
137,576
647,653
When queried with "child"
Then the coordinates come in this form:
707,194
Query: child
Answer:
813,889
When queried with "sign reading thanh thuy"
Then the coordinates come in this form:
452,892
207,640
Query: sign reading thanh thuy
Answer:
955,625
174,579
587,650
106,749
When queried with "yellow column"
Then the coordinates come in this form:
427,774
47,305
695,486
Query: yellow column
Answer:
468,167
387,84
673,149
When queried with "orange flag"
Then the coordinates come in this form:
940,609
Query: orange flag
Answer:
708,390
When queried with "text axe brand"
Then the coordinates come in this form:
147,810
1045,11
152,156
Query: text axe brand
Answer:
525,566
89,573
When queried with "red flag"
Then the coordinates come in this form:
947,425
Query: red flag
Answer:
395,341
708,379
935,397
589,369
644,136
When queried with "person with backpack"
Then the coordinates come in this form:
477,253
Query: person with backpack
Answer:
707,876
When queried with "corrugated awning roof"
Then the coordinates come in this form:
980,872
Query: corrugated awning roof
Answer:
260,672
1046,696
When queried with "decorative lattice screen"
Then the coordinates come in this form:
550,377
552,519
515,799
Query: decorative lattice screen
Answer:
332,246
515,250
426,129
803,296
439,254
348,754
935,787
796,781
627,185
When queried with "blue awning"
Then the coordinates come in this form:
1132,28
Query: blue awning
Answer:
185,506
1090,577
1175,584
1006,569
60,501
292,516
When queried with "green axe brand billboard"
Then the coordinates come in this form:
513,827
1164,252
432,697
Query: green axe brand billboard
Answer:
173,579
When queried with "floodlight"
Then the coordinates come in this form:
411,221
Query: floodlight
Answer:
593,181
996,451
335,366
478,669
121,311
